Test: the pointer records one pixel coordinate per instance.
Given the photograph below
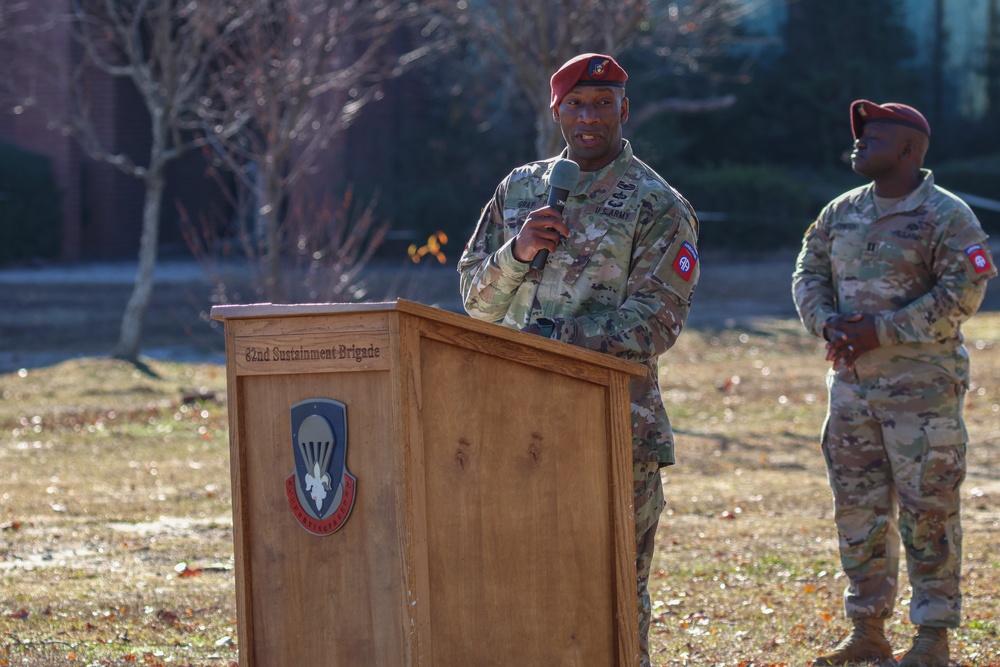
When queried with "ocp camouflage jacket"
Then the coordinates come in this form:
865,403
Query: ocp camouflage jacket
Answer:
921,269
621,283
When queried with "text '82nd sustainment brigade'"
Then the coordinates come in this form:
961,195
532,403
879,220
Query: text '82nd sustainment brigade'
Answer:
321,491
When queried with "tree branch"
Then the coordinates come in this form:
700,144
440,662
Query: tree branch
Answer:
679,105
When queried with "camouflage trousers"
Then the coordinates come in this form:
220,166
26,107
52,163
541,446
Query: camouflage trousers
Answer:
895,455
648,501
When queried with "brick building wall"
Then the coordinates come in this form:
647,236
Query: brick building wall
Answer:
28,129
101,205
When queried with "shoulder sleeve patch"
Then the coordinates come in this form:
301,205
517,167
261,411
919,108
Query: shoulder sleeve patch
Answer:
686,260
979,257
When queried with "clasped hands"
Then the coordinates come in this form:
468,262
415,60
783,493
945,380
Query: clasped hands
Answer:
849,336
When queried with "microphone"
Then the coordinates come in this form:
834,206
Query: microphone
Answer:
562,179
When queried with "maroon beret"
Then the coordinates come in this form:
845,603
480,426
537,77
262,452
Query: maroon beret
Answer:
586,69
863,111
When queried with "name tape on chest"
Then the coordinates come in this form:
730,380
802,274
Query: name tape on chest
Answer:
980,260
686,260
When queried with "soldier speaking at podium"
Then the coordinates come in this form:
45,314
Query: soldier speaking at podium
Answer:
619,264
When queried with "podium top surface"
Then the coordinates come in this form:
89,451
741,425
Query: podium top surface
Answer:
272,310
256,310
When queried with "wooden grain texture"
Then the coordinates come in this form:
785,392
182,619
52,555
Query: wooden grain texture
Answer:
237,466
622,508
406,406
335,599
493,520
515,351
519,543
332,343
264,317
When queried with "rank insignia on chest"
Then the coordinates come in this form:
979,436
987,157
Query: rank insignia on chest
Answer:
686,260
980,260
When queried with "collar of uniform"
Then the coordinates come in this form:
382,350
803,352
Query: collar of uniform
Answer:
910,202
597,185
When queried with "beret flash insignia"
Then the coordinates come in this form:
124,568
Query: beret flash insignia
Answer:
598,69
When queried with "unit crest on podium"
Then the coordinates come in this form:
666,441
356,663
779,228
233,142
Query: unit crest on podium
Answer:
321,491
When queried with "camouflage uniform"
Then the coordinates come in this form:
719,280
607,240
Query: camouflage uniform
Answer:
621,284
894,438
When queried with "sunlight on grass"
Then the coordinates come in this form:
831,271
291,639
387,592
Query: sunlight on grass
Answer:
116,529
746,570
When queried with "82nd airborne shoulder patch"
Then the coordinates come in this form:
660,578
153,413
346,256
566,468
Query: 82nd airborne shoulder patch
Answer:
686,260
980,260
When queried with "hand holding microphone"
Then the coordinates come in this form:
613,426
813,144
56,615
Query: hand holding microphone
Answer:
562,180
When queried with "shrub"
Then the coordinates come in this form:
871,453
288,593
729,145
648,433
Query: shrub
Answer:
29,206
754,207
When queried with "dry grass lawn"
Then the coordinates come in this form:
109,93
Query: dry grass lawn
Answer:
116,532
747,571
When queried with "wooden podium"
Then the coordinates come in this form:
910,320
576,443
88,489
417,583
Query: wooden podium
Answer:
476,507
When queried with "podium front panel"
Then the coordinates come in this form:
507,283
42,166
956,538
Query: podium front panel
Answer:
490,479
519,543
322,599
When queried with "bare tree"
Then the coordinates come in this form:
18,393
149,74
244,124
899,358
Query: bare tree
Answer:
296,74
527,41
165,48
330,242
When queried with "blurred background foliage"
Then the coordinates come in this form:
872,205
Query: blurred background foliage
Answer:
740,104
758,169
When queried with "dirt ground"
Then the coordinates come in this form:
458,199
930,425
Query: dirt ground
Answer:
52,313
746,546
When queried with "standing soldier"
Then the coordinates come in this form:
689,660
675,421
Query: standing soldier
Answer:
619,279
887,274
